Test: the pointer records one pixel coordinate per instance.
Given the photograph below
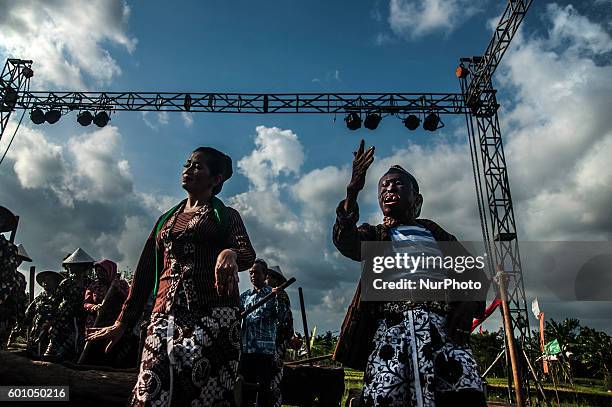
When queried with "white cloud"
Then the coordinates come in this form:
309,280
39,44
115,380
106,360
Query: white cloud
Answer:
66,39
558,128
160,119
277,152
415,18
187,119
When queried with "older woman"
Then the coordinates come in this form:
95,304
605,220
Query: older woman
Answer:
190,263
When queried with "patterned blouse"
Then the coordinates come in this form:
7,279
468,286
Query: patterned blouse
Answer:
188,245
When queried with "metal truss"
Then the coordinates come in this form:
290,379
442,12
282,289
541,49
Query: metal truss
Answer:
15,79
479,92
389,103
491,175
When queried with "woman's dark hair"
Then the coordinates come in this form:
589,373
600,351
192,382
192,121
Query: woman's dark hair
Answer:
218,163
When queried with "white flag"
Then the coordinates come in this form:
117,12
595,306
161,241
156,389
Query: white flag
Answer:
535,308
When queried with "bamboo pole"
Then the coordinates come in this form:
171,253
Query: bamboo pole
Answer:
304,322
32,282
516,376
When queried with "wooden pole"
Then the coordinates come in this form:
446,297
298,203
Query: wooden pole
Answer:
542,343
516,376
32,282
304,322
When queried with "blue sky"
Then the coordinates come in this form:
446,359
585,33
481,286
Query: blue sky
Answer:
102,189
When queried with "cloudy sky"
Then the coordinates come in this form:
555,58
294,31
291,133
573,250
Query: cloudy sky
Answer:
102,189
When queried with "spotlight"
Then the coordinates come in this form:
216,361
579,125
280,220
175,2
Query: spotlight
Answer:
84,118
462,72
101,119
412,122
431,122
353,121
371,121
52,116
9,100
37,116
27,72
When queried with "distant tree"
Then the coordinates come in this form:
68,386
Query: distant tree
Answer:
594,350
485,347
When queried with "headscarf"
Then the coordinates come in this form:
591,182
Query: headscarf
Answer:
99,287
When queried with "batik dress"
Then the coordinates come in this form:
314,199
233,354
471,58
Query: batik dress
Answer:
191,353
10,285
40,314
404,347
414,361
67,333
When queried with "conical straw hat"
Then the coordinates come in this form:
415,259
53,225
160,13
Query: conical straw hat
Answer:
21,252
79,256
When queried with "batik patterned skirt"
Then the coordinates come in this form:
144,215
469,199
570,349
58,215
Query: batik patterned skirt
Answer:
414,363
189,360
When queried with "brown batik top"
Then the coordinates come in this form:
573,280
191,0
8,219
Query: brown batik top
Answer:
188,246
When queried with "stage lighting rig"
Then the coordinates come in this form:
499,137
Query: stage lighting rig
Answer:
372,121
412,122
85,118
52,116
432,122
353,121
37,116
101,119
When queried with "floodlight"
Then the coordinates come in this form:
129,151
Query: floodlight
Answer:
85,118
52,116
371,121
431,122
37,116
353,121
412,122
101,119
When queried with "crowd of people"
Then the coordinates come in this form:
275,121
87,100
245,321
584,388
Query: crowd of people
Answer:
54,322
197,339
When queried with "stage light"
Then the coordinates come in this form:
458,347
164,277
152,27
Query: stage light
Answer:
431,122
9,100
52,116
353,121
462,72
412,122
85,118
37,116
371,121
27,72
101,119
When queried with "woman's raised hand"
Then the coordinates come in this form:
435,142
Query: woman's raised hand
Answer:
226,273
111,333
362,159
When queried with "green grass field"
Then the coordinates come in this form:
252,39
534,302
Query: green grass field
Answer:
584,388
